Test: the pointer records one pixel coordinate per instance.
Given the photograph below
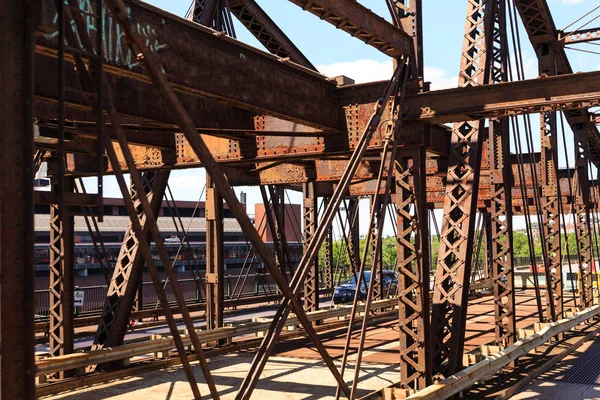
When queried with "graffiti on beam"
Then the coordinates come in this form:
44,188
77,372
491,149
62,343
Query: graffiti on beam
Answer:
115,46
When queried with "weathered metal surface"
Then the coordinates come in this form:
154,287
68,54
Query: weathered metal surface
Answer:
61,280
127,274
541,30
287,90
354,18
215,263
253,17
448,315
17,367
413,272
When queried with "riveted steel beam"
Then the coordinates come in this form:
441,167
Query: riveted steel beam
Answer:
362,23
258,22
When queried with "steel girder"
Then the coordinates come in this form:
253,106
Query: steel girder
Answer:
354,18
456,243
127,274
17,43
580,36
61,270
310,218
413,272
254,18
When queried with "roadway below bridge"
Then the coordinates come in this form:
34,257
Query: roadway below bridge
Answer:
296,371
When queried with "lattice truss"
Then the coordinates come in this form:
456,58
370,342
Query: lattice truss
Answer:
455,251
413,274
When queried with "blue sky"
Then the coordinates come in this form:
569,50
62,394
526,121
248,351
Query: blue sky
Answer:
335,52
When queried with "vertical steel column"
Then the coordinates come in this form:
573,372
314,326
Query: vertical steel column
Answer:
500,234
328,282
487,235
550,196
500,240
460,203
311,283
581,207
17,33
214,256
61,268
127,275
353,234
413,272
377,259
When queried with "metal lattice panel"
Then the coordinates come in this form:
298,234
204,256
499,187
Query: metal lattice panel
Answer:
456,244
311,283
413,273
128,269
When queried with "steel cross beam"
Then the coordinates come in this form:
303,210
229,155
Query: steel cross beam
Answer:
413,272
127,274
580,36
456,243
258,22
17,44
354,18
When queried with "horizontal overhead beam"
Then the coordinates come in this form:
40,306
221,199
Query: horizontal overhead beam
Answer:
204,63
354,18
564,92
581,36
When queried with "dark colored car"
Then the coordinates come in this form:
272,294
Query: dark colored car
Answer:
345,292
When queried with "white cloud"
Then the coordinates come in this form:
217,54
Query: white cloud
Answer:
372,70
361,70
439,78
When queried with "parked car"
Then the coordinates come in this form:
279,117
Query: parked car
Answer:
346,291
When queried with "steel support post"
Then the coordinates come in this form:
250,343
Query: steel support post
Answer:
487,250
499,237
377,259
309,214
460,204
581,208
501,234
551,215
61,268
214,257
550,193
353,234
328,282
17,34
127,275
413,271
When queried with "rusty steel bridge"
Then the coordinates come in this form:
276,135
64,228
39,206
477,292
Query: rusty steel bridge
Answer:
102,88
